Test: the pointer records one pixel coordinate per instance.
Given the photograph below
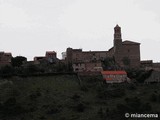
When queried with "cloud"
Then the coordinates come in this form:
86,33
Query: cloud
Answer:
13,17
151,6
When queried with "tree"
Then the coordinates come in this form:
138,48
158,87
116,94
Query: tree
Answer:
109,63
18,61
6,71
31,69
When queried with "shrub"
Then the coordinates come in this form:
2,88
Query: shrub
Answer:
84,88
80,107
6,71
133,105
53,109
18,61
11,108
76,97
153,97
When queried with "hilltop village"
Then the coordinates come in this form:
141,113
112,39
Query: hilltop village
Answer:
80,85
124,54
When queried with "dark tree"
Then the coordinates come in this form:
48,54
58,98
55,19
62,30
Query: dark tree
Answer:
6,71
18,61
109,63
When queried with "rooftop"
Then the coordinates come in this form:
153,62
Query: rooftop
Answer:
127,42
113,72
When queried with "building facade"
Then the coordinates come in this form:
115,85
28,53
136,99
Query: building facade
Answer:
5,59
88,61
50,57
125,53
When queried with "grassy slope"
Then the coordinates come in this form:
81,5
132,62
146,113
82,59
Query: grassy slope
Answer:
62,98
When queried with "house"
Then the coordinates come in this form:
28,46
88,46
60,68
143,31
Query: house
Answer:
38,59
5,58
114,76
50,57
85,61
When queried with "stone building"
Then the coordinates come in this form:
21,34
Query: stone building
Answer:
87,66
5,59
85,60
125,53
50,57
115,76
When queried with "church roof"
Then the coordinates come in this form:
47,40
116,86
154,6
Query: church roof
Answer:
127,42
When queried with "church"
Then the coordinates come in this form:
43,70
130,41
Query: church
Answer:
125,53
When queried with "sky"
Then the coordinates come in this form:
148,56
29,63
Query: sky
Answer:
31,27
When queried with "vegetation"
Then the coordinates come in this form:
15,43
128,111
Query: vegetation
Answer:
20,67
18,61
109,63
140,75
64,97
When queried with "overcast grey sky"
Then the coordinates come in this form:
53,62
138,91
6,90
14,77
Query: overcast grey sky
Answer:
31,27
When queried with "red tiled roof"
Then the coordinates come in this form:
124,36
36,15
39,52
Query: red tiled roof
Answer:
113,72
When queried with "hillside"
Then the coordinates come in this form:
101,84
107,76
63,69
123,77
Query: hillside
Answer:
64,97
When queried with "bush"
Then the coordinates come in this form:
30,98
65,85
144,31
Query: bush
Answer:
100,113
80,107
113,93
133,105
146,107
76,97
158,98
131,86
138,74
6,71
153,97
11,108
84,88
18,61
54,109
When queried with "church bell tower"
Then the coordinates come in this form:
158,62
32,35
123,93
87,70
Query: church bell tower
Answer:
117,39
